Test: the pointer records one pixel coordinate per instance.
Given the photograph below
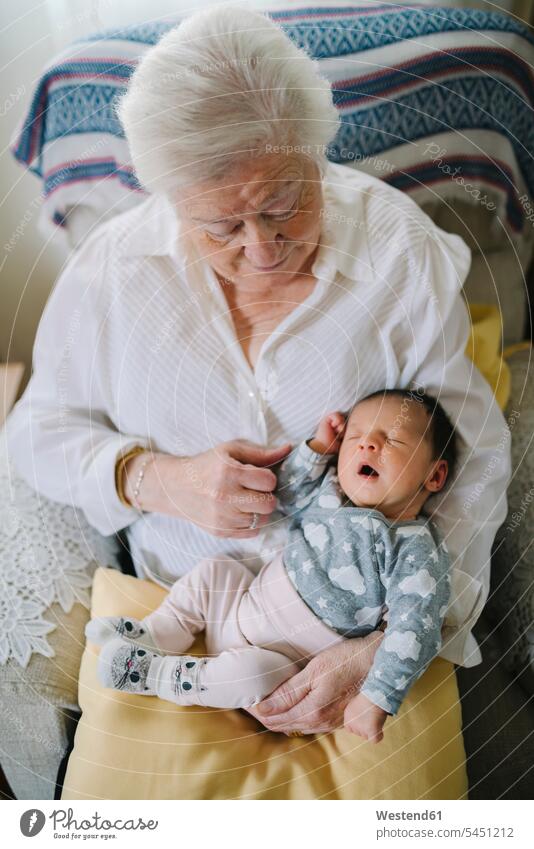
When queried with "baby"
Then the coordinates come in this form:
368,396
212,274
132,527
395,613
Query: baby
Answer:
359,556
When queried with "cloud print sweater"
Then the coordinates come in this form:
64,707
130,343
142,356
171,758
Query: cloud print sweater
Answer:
352,564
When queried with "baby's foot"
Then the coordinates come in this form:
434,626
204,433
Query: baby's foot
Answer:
105,628
128,667
131,668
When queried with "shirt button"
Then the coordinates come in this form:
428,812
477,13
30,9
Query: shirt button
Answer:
251,394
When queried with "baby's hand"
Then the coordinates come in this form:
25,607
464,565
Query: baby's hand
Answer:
365,718
329,434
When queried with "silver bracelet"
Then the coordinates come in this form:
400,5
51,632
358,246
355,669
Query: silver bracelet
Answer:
139,481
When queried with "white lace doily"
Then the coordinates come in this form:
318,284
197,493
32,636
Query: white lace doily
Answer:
48,553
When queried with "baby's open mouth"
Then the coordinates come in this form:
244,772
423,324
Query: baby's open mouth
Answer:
367,471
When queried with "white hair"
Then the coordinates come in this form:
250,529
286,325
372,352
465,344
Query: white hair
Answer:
224,85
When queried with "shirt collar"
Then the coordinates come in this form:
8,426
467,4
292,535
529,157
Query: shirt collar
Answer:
343,246
159,232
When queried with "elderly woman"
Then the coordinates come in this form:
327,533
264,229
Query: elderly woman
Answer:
192,339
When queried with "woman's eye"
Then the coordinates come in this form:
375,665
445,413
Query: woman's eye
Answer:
283,215
221,237
278,216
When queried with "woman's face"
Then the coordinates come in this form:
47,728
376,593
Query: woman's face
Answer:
265,213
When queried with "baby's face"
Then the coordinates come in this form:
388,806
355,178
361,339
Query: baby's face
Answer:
385,460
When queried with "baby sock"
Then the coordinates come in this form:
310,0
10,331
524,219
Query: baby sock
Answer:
105,628
131,668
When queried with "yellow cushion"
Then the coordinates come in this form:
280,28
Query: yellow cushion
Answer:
135,747
484,348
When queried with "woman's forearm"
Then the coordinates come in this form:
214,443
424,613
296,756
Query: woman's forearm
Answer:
143,481
70,457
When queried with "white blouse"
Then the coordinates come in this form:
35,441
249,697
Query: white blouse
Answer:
136,346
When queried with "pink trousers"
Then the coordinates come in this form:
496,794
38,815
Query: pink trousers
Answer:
257,630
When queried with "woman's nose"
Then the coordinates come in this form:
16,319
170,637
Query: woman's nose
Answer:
262,244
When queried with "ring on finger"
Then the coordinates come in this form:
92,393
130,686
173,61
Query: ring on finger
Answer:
254,524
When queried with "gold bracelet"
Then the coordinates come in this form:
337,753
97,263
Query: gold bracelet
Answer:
119,470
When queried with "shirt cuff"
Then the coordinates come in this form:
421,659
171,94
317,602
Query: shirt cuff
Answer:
312,458
460,647
102,506
467,603
390,703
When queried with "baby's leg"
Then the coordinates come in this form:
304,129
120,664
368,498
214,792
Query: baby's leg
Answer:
208,595
236,678
206,599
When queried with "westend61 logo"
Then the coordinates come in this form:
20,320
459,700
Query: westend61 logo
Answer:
66,826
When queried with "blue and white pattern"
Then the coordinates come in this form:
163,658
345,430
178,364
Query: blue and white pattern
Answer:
427,96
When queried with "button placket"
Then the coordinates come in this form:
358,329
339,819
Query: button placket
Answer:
256,388
267,381
251,418
260,415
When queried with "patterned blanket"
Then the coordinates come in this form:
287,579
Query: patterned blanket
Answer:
435,101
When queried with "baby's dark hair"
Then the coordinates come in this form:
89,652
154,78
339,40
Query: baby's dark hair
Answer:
441,431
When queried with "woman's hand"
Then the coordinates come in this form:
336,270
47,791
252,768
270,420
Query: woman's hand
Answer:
364,718
329,434
219,490
314,700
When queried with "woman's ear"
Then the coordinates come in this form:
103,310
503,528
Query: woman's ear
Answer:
437,477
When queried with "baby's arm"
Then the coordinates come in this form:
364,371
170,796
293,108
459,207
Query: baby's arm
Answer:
417,596
301,474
